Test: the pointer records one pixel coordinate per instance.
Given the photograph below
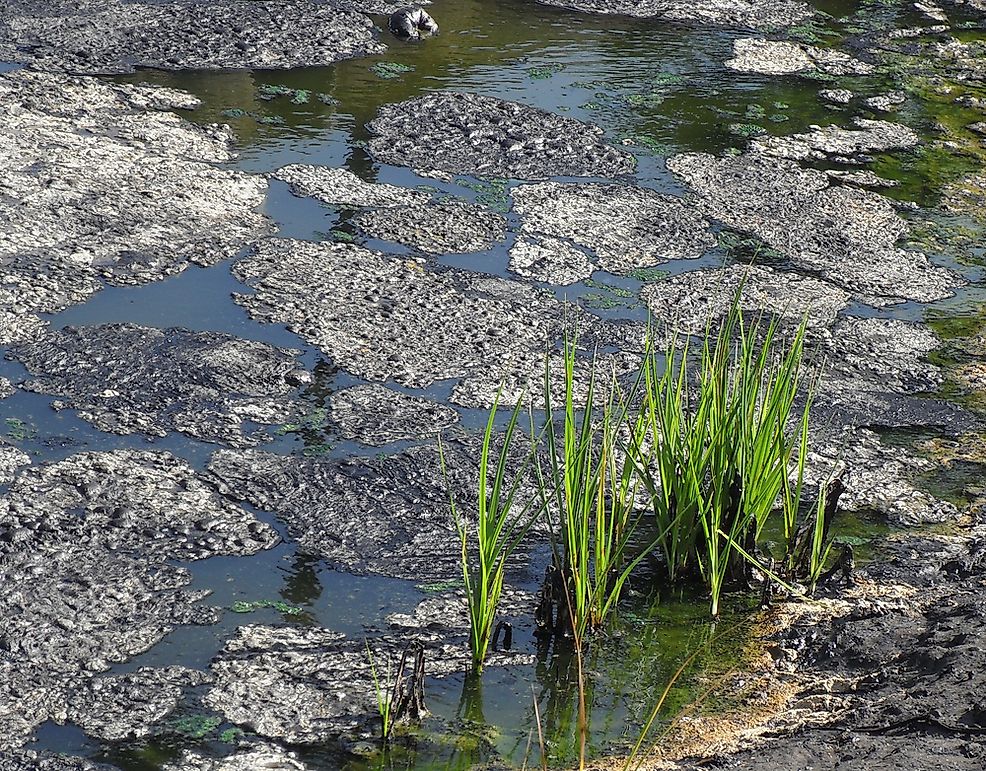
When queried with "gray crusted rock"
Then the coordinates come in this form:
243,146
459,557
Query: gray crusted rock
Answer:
309,685
93,500
266,757
877,478
861,178
872,370
161,203
886,102
6,388
28,760
549,260
149,504
11,459
885,355
967,196
627,227
377,415
782,57
387,515
757,14
688,302
453,133
846,235
86,573
447,614
384,317
126,379
836,95
118,36
340,187
442,228
870,136
118,707
71,613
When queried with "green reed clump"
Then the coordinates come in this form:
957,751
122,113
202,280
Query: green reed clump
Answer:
500,525
720,449
589,481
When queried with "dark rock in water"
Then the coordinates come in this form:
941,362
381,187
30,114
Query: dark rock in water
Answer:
376,415
453,133
441,228
878,477
340,187
119,707
87,579
163,204
409,23
781,57
550,260
835,142
128,379
755,14
112,36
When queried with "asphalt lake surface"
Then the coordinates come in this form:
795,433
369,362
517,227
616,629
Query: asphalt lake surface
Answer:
656,90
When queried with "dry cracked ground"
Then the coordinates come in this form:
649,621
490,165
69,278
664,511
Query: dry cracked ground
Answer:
109,185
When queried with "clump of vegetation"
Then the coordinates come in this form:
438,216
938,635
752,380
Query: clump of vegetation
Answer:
590,482
544,72
242,606
390,70
746,130
719,458
501,523
712,437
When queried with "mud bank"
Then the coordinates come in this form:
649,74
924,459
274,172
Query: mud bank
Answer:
893,682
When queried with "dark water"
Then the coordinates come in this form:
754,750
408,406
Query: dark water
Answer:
658,89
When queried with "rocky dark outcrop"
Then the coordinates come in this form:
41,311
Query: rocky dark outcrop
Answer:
895,682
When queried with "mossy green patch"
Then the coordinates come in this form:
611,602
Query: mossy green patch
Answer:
241,606
747,130
19,430
195,726
544,71
390,70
